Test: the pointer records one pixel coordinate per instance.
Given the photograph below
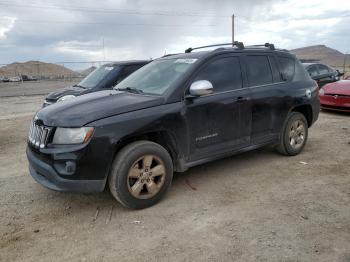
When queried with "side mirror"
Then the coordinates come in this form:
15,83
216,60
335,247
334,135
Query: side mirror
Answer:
339,73
201,88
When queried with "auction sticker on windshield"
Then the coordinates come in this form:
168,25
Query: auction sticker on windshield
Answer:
186,61
109,68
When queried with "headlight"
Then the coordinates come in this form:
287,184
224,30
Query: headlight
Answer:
67,136
321,92
64,98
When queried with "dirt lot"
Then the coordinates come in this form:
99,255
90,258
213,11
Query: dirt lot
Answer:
257,206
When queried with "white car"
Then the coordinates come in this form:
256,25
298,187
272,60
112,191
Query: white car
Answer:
15,79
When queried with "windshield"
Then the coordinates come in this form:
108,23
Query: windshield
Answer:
95,77
157,76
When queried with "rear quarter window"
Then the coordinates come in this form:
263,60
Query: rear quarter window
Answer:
287,67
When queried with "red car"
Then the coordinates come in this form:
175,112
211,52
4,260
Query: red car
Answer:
336,96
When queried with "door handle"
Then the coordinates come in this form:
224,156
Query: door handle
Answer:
241,99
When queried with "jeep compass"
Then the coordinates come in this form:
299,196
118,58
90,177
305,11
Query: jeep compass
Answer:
176,112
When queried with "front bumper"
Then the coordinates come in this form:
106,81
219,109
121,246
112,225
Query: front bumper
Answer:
335,103
47,176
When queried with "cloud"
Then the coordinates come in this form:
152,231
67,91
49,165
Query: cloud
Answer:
6,25
92,49
297,23
69,31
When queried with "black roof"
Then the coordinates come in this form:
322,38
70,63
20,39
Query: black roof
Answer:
308,64
201,54
226,48
128,62
197,55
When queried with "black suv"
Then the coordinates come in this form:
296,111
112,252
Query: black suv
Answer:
104,77
176,112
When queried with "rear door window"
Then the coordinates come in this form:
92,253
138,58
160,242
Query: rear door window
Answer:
312,70
224,74
258,70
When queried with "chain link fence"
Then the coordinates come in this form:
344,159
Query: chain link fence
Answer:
68,71
35,70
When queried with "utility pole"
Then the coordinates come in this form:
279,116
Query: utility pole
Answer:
344,64
103,46
37,67
233,28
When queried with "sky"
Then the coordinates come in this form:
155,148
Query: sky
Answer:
111,30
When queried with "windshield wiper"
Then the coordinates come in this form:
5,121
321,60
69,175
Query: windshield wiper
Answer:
80,86
131,90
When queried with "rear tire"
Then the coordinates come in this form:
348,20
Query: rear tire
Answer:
294,135
141,174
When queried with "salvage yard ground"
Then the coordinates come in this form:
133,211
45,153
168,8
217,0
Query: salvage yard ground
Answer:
257,206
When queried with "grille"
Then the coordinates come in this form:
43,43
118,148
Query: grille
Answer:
337,95
38,135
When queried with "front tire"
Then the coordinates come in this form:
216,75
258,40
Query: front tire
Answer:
141,174
293,135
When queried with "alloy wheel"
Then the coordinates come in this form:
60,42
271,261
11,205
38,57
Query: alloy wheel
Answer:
297,134
146,177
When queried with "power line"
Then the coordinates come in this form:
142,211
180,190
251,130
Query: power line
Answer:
111,10
116,24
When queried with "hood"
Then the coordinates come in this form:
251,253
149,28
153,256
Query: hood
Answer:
94,106
71,90
341,87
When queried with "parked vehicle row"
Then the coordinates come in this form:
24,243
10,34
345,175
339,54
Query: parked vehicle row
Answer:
17,78
4,79
174,113
10,79
28,78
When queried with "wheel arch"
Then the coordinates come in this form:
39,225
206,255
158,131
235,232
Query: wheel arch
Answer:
162,137
306,110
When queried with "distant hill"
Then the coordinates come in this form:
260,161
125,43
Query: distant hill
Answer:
87,71
322,54
36,68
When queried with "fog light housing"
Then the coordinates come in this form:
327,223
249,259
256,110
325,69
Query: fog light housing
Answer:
65,168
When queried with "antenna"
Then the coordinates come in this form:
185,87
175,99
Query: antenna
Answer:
103,47
233,29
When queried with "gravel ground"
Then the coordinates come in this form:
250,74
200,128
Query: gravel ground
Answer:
23,99
42,87
257,206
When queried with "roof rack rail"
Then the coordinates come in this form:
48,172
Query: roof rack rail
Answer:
271,46
169,55
239,45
